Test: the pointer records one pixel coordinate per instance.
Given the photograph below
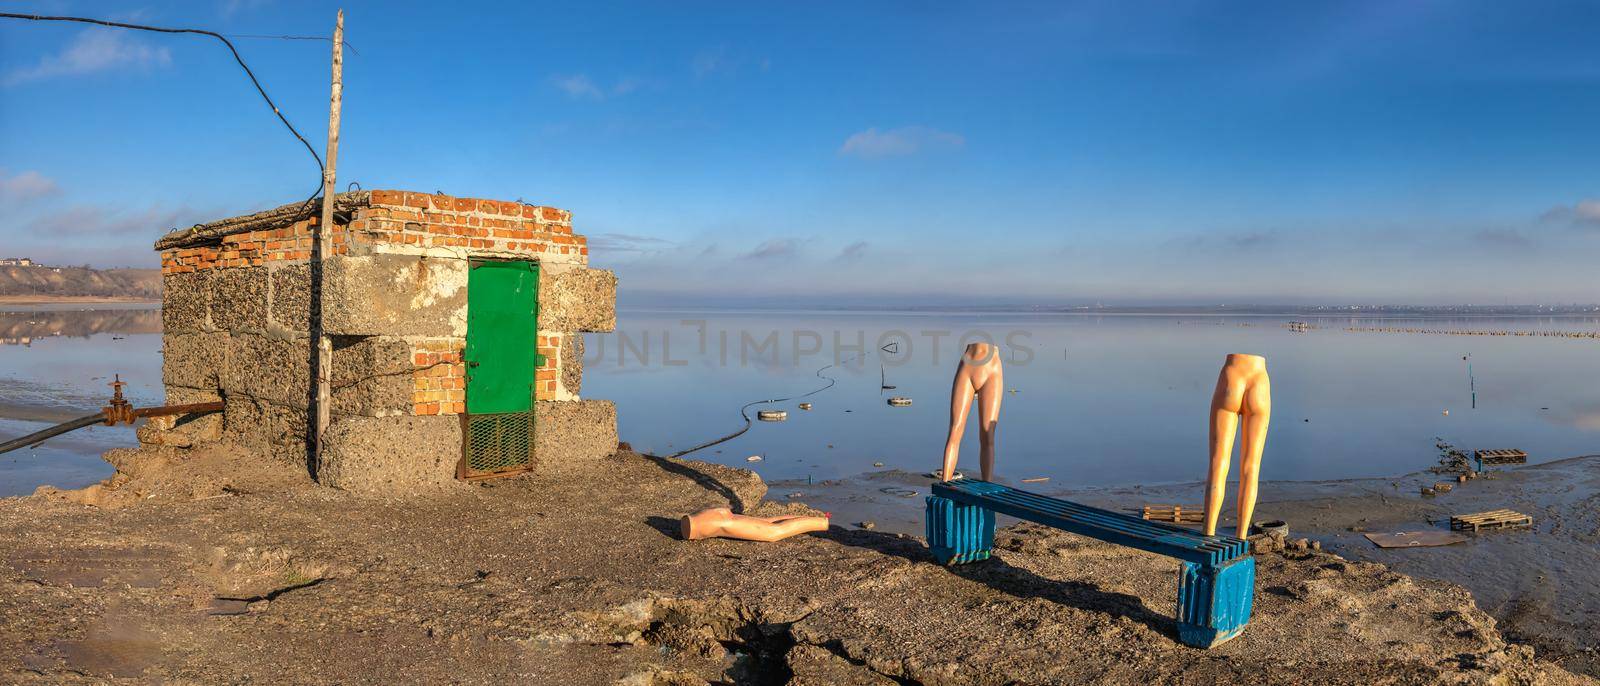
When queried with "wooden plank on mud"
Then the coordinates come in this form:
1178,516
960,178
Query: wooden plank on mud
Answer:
1493,519
1174,513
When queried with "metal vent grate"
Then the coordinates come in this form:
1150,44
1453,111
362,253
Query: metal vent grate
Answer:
498,444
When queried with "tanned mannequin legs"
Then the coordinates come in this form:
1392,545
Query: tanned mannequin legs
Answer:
1241,404
979,374
722,522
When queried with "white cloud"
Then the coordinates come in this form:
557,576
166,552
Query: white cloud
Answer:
578,86
95,220
581,87
623,242
232,7
1585,214
1588,210
626,86
853,252
777,248
92,51
26,187
906,140
708,62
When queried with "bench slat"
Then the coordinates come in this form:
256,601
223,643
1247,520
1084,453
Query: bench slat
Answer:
1131,525
1136,525
1112,527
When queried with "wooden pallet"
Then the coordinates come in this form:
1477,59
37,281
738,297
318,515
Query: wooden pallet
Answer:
1495,519
1500,456
1174,513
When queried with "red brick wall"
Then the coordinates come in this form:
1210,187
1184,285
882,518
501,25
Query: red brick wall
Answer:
489,225
401,218
252,249
439,380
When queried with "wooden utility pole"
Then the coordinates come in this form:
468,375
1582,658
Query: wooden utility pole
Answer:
325,237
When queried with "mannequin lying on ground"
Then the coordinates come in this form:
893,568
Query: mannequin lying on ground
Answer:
722,522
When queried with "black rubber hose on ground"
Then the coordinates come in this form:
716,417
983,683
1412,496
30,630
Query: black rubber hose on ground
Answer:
38,437
745,415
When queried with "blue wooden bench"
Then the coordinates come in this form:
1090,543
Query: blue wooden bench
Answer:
1218,578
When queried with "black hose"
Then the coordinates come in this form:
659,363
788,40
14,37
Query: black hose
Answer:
743,414
38,437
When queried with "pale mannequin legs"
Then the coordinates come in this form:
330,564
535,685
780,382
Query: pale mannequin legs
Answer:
722,522
979,374
1242,402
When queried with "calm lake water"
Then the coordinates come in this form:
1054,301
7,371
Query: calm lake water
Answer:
1100,400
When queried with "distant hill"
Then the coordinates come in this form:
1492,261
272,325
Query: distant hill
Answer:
143,284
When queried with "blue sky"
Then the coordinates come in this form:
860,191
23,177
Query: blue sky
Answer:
867,151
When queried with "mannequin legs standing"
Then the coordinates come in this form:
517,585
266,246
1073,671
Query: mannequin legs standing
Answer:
979,374
1241,404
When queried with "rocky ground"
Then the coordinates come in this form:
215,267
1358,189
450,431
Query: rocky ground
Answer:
212,567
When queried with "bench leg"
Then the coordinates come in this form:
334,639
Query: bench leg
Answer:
1214,602
959,533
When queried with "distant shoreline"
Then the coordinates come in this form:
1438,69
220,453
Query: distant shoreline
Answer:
74,299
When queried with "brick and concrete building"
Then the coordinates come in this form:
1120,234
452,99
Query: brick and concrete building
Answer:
456,328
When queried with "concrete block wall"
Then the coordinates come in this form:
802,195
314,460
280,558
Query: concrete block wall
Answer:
238,303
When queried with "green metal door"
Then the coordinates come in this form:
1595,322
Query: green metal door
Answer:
501,358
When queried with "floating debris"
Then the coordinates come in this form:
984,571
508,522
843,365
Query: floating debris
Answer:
896,490
900,401
1443,487
1036,480
1445,413
805,406
868,525
754,458
772,415
795,494
877,464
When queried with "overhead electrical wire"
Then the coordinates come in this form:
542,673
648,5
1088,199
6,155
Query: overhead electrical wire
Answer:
321,169
324,39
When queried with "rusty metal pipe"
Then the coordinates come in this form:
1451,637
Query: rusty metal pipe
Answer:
165,410
110,415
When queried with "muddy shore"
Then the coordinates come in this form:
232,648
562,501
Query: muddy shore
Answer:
214,567
1539,583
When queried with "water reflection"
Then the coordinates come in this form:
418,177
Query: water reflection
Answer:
56,368
1094,399
1098,399
27,327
